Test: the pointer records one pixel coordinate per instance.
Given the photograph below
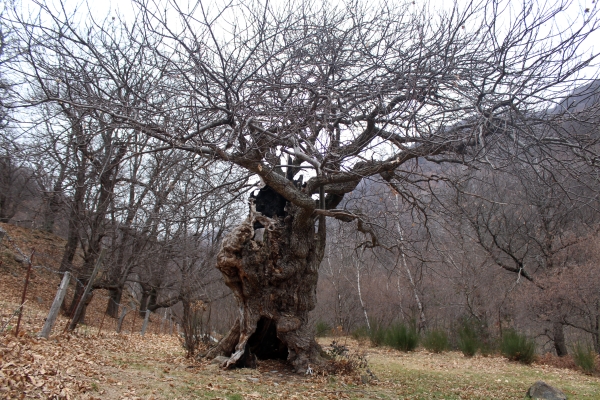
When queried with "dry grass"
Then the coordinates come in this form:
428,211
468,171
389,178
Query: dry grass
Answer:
88,365
112,366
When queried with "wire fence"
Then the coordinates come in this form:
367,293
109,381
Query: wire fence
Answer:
29,287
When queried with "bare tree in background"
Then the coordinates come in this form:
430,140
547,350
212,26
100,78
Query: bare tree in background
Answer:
337,93
16,179
525,219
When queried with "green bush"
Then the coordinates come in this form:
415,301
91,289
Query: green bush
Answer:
584,357
517,347
377,334
436,341
402,337
360,333
322,329
468,339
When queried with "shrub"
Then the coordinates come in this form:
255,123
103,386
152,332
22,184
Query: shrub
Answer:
402,337
584,357
468,340
517,347
322,329
377,334
193,325
436,341
360,333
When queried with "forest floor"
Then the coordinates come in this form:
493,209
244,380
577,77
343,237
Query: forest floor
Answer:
94,362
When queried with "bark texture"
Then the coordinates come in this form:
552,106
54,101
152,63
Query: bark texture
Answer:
559,340
274,281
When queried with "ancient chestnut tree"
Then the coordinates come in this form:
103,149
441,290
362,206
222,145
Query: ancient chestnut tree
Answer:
313,98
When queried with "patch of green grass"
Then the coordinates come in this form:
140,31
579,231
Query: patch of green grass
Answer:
421,375
235,397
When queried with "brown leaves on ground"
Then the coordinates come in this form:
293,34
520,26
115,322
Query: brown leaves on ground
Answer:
37,368
95,363
113,366
74,366
567,361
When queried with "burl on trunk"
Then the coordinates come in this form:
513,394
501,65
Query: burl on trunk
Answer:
271,265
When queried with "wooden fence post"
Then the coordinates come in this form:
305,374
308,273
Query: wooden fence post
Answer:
87,290
145,325
121,318
58,299
101,323
133,320
24,294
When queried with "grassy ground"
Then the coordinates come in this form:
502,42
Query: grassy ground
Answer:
112,366
100,364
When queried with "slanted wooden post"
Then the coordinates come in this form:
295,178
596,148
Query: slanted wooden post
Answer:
24,294
58,299
101,323
121,318
87,290
133,320
145,325
2,233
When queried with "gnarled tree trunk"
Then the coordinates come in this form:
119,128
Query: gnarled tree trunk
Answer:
274,281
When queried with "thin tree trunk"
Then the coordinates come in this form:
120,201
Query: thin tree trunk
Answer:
144,301
55,197
114,298
596,334
360,298
400,296
422,319
96,228
66,263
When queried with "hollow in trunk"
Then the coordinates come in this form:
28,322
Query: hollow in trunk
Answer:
273,274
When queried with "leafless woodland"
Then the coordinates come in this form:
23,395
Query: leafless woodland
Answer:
437,165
